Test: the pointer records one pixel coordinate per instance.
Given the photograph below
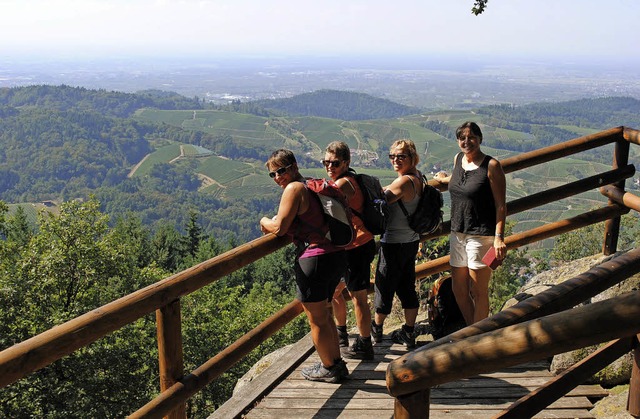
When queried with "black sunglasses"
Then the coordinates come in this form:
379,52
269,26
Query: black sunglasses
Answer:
281,171
332,163
398,156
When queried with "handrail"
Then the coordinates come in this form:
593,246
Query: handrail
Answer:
53,344
536,339
204,374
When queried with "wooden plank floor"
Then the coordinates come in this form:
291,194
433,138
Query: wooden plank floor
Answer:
364,394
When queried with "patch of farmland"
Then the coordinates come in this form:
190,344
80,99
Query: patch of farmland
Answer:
162,155
30,211
190,150
224,171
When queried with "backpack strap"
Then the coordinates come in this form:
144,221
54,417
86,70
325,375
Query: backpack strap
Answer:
402,207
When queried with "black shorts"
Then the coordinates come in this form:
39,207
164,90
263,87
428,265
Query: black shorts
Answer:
318,276
359,274
396,274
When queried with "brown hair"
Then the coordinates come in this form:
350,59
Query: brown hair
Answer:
473,127
281,158
340,149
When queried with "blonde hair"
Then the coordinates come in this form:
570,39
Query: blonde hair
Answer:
408,147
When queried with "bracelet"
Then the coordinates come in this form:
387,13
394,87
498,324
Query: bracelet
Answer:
499,235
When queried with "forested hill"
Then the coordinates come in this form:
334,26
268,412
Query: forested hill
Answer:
348,106
107,103
593,113
550,123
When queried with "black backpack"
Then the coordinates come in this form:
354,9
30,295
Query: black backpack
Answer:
443,312
375,211
428,215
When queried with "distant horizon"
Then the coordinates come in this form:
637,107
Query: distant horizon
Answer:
381,61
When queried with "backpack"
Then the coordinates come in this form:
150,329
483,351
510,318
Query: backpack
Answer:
443,312
337,213
428,215
375,212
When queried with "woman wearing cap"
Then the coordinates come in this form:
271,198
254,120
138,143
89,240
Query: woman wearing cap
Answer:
318,264
477,188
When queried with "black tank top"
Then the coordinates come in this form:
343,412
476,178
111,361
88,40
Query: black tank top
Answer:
473,210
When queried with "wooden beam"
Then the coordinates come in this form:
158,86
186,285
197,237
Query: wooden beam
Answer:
633,400
524,342
536,234
41,350
170,359
572,377
411,406
214,367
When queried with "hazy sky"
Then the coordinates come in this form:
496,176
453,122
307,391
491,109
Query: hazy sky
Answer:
574,28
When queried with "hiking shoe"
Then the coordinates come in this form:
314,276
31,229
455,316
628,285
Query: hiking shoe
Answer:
376,332
317,372
361,349
343,338
404,337
342,368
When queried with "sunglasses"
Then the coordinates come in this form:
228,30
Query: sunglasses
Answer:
332,163
398,156
281,171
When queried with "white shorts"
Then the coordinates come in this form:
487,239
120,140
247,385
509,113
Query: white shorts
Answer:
467,250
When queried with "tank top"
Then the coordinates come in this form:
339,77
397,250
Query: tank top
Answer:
473,209
398,230
356,203
307,231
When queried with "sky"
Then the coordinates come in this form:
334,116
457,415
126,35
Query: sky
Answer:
569,28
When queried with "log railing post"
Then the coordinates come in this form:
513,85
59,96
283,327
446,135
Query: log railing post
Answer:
633,402
612,226
168,324
412,406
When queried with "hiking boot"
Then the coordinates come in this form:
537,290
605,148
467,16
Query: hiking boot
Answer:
404,337
342,368
317,372
361,349
343,338
376,332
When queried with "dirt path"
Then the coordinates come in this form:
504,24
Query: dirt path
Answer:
133,171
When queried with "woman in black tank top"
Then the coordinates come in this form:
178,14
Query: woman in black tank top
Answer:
477,188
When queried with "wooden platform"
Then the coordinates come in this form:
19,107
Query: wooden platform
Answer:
364,394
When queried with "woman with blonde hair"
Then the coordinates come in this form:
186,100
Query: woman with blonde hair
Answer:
395,273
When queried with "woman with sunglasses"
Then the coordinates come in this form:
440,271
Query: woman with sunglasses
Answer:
395,274
360,254
477,188
319,265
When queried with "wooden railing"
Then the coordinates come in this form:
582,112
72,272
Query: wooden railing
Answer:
164,296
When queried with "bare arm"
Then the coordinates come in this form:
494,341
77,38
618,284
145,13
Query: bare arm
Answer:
442,176
292,203
499,192
400,188
346,187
